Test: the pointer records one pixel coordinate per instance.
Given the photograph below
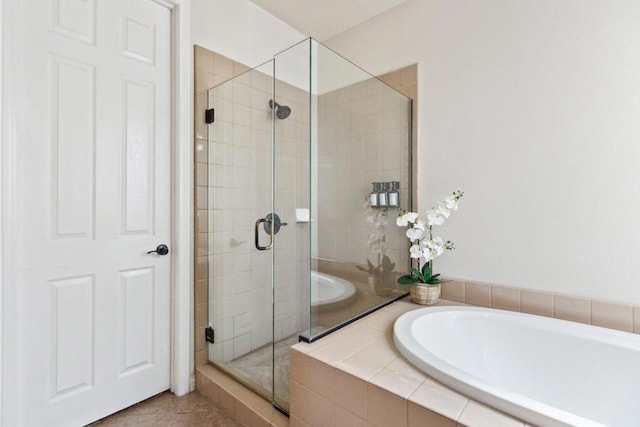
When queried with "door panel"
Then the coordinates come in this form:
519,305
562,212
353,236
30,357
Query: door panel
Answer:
136,320
73,147
138,122
72,314
94,126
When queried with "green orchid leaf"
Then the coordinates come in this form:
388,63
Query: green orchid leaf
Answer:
407,280
416,273
434,281
435,275
426,270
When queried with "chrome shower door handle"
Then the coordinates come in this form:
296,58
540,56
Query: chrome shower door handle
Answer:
257,235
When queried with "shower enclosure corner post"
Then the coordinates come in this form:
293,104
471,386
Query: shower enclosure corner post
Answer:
312,166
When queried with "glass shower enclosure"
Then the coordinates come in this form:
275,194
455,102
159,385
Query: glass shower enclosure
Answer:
296,247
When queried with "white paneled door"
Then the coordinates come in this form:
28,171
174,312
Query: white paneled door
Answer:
94,174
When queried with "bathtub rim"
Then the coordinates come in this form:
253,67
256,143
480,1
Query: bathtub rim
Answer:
350,291
511,403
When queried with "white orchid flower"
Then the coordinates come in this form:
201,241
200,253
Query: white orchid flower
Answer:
428,254
415,251
444,210
434,217
434,248
405,219
420,225
451,202
414,234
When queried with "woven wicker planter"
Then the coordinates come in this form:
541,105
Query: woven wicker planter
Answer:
425,294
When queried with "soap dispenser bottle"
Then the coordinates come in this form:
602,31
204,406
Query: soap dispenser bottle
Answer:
373,197
383,200
394,194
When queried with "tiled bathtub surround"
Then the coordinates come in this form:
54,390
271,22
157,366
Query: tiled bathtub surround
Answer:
356,377
595,312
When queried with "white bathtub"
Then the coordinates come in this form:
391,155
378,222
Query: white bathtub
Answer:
327,290
546,371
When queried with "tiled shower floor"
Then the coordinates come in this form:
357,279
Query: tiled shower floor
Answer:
255,367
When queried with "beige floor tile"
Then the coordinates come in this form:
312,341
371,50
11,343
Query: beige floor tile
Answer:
201,419
133,420
166,409
162,403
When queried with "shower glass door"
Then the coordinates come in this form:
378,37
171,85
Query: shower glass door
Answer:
240,204
259,221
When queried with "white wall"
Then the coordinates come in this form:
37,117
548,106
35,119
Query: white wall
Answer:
240,30
533,109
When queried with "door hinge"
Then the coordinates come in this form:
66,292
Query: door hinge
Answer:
209,335
209,116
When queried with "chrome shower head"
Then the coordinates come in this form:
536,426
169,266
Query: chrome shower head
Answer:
282,111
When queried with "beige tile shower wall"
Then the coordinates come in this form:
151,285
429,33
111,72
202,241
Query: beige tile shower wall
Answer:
209,69
362,137
405,80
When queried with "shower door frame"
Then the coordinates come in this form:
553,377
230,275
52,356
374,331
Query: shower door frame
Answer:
181,312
